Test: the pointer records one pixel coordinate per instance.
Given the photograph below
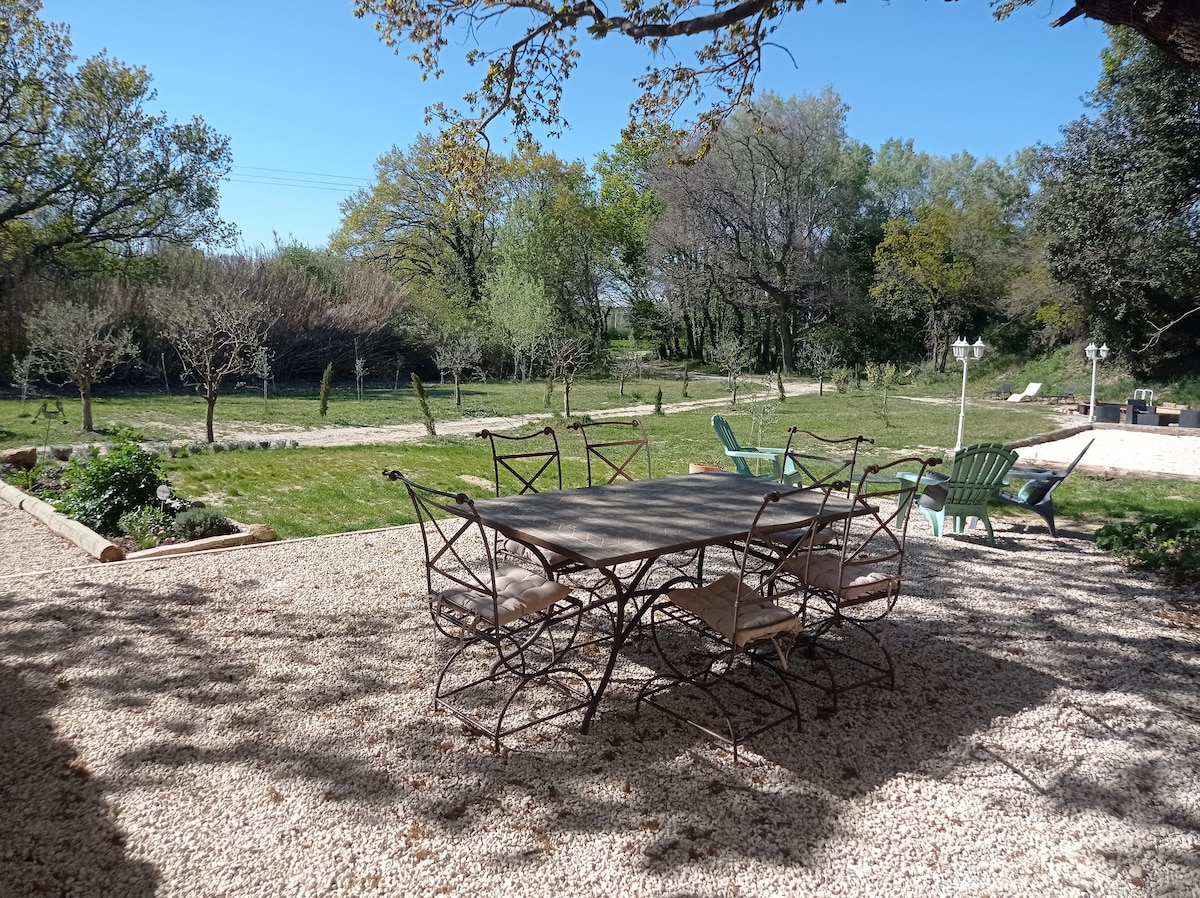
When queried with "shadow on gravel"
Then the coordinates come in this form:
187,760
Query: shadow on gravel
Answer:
260,675
58,835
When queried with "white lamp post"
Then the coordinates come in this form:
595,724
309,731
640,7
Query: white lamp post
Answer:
964,352
1095,355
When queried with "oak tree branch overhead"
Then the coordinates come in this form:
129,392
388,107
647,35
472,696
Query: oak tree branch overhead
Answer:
535,49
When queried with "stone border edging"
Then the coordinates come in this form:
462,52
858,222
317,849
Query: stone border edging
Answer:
255,533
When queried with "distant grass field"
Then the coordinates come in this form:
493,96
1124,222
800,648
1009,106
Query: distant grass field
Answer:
160,416
310,490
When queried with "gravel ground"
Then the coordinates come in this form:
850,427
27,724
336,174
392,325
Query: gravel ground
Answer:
1117,450
257,722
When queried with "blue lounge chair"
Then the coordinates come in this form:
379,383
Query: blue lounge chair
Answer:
1037,494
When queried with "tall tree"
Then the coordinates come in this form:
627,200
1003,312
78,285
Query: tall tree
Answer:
1118,205
919,275
780,187
420,222
88,176
554,230
83,163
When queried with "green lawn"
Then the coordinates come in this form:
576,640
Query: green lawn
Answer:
309,491
181,415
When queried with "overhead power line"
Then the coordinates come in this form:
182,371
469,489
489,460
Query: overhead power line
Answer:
253,174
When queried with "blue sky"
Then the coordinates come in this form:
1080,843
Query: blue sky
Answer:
310,98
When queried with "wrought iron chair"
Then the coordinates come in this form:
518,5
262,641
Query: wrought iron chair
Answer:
782,470
858,584
529,463
729,639
814,468
1037,493
978,472
502,634
617,448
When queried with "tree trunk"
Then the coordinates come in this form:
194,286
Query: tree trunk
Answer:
85,399
210,400
457,389
781,310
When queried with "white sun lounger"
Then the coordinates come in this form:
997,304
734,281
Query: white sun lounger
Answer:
1028,393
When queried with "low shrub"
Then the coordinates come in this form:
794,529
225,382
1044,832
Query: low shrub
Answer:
41,480
1164,543
99,489
198,523
148,525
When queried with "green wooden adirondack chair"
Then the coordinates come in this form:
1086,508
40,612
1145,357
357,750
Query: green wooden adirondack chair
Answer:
978,472
781,470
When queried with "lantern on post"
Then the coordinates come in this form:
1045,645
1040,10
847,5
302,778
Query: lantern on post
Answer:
964,352
1095,354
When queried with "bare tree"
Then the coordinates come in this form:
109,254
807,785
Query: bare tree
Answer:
730,354
81,341
458,354
626,365
217,329
22,372
566,357
262,369
360,371
822,357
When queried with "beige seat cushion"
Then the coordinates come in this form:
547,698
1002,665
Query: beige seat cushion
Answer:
822,536
853,583
519,592
757,618
520,550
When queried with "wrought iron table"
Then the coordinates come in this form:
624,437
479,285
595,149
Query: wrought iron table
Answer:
640,522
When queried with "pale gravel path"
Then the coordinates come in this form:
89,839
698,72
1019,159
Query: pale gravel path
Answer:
1167,452
405,433
256,723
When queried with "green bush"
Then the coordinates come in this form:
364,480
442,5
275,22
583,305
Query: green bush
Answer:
326,379
197,523
99,489
148,525
423,400
1165,543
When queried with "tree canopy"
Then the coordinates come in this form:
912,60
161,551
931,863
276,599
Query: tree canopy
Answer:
83,162
537,49
89,177
1118,205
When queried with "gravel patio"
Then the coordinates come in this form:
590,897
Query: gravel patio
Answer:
256,722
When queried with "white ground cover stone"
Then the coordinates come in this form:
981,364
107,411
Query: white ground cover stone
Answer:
257,723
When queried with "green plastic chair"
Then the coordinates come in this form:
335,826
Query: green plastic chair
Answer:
782,468
978,472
